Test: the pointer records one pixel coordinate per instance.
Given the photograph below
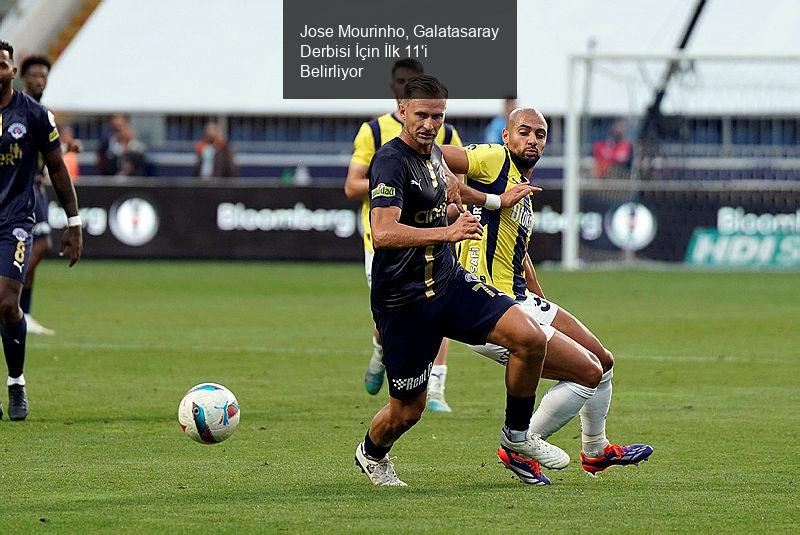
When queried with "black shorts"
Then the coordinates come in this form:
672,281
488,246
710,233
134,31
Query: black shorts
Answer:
411,335
15,249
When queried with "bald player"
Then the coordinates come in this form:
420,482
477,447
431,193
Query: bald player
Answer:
575,357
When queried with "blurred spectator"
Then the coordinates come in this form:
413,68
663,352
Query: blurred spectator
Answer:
613,155
214,155
71,147
494,131
121,153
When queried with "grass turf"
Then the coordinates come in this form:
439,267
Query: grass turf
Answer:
707,372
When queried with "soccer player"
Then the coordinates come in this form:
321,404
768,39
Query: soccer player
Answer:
27,129
34,72
370,137
575,357
420,295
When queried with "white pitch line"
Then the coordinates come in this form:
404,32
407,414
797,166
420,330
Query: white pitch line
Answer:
327,351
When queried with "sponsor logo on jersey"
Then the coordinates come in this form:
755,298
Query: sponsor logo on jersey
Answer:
11,157
133,221
428,216
17,130
631,227
382,190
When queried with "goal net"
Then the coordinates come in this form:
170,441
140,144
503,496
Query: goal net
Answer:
659,146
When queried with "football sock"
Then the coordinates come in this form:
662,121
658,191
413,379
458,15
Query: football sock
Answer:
518,415
13,336
25,300
16,380
593,417
376,361
372,450
561,403
438,377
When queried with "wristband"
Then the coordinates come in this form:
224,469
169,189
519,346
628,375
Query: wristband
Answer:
75,221
492,202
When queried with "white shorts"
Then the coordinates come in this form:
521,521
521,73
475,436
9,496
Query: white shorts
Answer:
542,310
368,267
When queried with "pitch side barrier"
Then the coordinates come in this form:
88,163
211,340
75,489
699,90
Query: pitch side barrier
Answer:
731,224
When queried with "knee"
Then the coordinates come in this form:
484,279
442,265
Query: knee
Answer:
606,359
532,345
407,416
9,309
592,372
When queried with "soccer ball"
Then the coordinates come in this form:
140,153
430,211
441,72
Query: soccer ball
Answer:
208,413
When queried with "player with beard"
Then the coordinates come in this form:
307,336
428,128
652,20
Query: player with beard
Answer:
420,295
575,357
27,129
371,135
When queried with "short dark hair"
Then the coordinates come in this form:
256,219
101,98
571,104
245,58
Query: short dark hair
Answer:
30,61
408,63
424,86
5,45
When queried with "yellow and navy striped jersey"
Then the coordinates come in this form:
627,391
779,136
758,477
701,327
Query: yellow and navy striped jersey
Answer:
497,258
374,134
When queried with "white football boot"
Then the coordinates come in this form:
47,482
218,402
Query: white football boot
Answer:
34,327
379,472
533,447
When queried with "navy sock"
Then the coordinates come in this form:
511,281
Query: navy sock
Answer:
13,336
25,300
373,451
519,412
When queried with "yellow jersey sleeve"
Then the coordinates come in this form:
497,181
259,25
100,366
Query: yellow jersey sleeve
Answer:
485,162
363,145
456,140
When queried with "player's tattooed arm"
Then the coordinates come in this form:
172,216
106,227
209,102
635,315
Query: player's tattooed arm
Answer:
454,183
389,233
531,282
356,185
72,239
507,199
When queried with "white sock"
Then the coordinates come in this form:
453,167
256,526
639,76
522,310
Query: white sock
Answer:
438,377
593,417
558,406
16,380
376,360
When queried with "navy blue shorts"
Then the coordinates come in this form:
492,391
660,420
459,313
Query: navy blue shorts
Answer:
15,249
411,335
42,227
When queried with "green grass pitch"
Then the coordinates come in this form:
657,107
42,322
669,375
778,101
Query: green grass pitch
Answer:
708,372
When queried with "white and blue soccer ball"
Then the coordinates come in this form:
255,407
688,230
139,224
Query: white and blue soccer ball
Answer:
208,413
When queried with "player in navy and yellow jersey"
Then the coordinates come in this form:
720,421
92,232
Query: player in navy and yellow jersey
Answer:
371,136
420,294
33,73
26,129
575,357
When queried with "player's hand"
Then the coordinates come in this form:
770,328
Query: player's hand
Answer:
466,227
517,193
453,188
72,239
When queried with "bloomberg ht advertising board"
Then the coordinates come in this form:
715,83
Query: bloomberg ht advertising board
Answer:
710,228
198,221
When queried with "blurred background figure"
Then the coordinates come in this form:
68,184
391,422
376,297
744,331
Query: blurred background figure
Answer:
71,147
614,154
494,130
121,153
214,155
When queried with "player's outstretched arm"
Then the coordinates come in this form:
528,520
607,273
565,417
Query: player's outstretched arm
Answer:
356,185
72,238
531,282
389,233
